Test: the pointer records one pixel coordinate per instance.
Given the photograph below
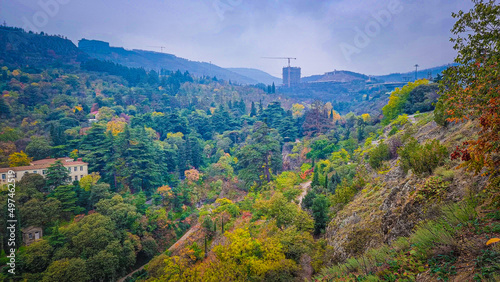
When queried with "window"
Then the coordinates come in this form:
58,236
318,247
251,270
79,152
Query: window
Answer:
30,236
75,168
4,176
81,177
81,168
35,171
69,168
44,172
76,177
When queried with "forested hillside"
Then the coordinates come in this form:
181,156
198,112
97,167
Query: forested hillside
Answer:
197,179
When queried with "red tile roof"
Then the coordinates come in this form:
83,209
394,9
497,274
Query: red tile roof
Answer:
45,163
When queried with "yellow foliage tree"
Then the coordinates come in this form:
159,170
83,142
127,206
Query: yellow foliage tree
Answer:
74,154
89,180
166,193
397,99
366,117
192,175
19,159
297,110
116,126
335,116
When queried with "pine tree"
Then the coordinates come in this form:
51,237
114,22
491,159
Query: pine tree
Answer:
253,110
4,109
320,213
67,197
97,148
273,88
315,180
142,171
57,175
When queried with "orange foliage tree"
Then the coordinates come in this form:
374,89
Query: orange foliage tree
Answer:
471,90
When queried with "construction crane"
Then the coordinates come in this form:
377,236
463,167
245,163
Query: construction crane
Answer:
161,47
283,58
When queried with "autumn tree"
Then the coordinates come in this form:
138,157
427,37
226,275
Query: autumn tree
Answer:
19,159
471,89
316,120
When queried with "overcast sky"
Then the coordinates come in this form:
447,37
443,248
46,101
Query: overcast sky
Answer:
371,37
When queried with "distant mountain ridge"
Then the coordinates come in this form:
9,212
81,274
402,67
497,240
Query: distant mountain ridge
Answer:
410,76
349,76
257,75
156,61
21,48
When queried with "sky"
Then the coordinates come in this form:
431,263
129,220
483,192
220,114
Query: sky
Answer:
373,37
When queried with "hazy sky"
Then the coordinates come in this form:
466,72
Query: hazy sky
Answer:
371,37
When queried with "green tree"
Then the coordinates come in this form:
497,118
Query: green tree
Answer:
320,213
140,169
67,197
4,109
104,265
261,156
37,256
37,212
96,147
315,181
57,175
39,148
253,110
67,270
398,99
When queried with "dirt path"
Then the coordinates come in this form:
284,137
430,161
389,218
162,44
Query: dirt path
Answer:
305,187
131,273
174,246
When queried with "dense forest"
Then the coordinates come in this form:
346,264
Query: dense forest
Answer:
200,179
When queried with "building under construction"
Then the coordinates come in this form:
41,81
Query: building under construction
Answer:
291,76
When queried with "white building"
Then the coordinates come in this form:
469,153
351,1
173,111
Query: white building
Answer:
76,169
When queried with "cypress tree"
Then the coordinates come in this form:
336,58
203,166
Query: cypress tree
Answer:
253,110
315,181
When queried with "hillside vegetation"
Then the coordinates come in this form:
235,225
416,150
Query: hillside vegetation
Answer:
197,179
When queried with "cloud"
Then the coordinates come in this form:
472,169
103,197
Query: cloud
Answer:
237,33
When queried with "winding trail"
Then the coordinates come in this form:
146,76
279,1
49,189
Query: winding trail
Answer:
174,246
305,187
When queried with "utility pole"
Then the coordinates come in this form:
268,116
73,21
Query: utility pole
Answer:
161,48
416,68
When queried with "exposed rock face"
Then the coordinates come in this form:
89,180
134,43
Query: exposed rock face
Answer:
401,215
